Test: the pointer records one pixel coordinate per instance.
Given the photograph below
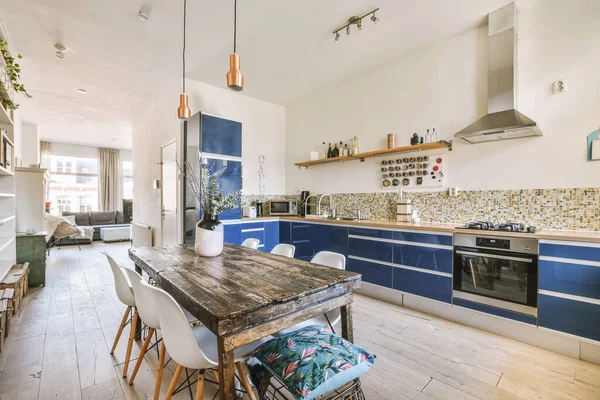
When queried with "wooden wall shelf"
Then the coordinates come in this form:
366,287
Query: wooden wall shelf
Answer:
442,144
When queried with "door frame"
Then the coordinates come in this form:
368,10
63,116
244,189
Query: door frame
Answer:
177,222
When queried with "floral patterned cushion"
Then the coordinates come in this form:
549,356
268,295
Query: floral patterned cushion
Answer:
312,361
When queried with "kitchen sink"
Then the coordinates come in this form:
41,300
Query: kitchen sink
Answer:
347,219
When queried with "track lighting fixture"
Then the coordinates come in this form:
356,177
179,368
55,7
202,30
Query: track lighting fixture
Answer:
355,20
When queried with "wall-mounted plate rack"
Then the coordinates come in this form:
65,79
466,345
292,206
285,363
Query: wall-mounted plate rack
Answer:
442,144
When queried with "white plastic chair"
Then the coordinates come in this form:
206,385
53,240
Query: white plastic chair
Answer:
330,318
125,295
251,243
286,250
194,348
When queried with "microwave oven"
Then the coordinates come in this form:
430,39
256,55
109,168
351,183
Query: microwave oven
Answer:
283,207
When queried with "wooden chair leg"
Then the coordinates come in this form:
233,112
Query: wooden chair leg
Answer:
142,353
200,388
159,370
123,322
244,378
173,383
130,343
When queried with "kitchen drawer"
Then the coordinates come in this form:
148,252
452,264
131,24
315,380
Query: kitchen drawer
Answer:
423,257
576,279
253,225
423,238
374,250
302,231
496,311
375,233
567,251
569,316
377,274
435,287
304,249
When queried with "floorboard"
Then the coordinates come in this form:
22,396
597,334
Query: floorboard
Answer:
61,336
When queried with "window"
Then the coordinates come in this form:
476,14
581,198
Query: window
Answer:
73,184
127,180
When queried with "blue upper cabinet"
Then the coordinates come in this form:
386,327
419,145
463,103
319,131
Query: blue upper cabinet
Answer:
220,136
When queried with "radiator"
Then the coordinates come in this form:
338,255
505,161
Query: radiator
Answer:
141,235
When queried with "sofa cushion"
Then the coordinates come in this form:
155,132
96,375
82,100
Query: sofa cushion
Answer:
81,218
102,217
119,217
312,362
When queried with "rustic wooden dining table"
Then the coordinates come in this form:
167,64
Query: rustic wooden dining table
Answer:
244,295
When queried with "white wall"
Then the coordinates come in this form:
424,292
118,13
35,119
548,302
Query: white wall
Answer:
263,132
446,85
30,144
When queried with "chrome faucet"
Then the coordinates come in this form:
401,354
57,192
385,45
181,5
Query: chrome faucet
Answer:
358,214
330,203
306,204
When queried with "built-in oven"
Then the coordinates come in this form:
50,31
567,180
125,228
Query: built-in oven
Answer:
497,271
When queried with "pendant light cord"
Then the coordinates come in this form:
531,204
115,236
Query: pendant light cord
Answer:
184,20
234,26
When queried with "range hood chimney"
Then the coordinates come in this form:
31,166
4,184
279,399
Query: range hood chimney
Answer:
503,120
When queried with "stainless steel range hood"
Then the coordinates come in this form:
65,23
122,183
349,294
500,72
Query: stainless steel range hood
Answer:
503,120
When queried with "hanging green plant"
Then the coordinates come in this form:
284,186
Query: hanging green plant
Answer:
13,72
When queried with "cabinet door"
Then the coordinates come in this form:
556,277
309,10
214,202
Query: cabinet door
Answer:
423,284
302,238
331,238
233,234
221,136
285,232
271,235
372,272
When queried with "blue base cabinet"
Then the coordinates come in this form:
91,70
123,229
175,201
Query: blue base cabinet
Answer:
232,233
330,238
285,232
435,287
271,235
496,311
377,274
570,316
302,238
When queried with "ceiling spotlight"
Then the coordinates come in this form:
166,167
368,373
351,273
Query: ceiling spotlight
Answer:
82,91
348,30
60,47
143,15
355,20
59,54
337,36
374,18
359,24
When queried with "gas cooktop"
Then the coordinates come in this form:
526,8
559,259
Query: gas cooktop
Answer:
504,227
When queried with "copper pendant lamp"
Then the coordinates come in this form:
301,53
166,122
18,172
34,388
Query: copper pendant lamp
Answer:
183,111
235,78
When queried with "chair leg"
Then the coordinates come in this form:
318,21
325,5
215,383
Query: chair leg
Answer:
130,343
200,388
123,322
173,383
142,354
159,371
244,378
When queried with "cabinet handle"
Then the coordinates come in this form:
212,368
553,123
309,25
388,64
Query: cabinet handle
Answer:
468,253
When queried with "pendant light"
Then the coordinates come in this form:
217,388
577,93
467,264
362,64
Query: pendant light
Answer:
235,78
183,112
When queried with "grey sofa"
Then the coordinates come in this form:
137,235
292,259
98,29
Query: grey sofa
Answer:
97,220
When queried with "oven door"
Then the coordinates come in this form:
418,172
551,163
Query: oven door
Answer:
497,278
280,208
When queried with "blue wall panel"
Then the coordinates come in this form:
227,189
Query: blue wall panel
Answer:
377,274
496,311
565,251
423,257
580,280
423,284
574,317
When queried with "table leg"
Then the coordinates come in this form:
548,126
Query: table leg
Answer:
347,329
138,336
226,371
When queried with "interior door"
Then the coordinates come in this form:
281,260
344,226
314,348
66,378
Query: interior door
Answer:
169,193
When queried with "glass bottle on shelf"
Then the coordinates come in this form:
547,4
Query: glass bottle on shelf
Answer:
355,148
329,151
336,151
346,150
428,136
324,146
434,137
341,148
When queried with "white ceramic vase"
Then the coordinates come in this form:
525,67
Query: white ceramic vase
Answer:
209,236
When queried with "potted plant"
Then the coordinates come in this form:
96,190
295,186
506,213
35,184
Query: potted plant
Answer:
13,77
205,186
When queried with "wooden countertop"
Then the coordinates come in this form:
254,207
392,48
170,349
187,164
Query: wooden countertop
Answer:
566,235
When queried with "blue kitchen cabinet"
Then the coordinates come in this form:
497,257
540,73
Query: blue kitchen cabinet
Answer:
330,238
220,136
423,257
254,230
569,289
285,232
302,238
423,284
271,235
232,233
372,272
374,244
230,181
500,312
419,237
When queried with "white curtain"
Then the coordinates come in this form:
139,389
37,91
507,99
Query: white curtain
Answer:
45,154
110,180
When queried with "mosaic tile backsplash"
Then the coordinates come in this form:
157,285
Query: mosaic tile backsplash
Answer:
577,209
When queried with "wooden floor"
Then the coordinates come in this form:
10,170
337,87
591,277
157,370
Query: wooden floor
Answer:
59,348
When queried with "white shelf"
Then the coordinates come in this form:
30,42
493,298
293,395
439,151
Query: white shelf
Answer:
5,117
4,171
6,218
6,195
5,242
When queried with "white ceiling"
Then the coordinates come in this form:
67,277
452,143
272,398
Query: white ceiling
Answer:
287,51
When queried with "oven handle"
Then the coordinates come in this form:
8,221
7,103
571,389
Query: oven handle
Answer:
509,258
